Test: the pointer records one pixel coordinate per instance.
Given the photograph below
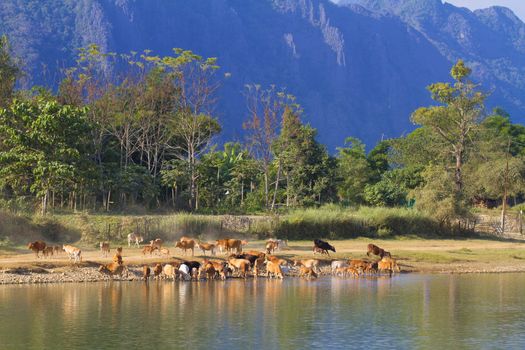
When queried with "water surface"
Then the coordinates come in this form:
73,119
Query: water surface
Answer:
406,311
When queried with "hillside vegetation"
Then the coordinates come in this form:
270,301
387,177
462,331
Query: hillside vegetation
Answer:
328,222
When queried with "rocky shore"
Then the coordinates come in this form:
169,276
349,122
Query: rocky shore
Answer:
61,275
83,274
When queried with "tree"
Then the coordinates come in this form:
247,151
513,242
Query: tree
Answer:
393,187
353,171
9,72
147,110
437,196
174,175
497,129
194,133
266,108
498,168
456,118
379,159
43,147
193,126
307,168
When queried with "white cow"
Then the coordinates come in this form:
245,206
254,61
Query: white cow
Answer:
337,264
73,252
185,272
135,237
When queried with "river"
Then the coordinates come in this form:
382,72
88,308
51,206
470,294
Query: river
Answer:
407,311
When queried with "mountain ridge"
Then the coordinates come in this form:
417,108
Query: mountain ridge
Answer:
357,69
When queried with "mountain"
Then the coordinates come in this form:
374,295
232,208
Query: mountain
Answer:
359,67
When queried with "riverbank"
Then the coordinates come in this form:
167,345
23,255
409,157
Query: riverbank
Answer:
19,265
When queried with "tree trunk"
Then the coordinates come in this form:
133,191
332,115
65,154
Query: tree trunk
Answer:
44,203
276,185
196,197
266,194
287,189
520,222
108,200
505,190
458,175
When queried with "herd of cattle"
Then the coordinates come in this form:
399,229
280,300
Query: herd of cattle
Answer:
237,263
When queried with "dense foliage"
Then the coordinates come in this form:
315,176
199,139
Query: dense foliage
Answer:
137,132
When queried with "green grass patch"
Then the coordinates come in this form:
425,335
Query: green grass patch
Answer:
434,258
461,251
335,222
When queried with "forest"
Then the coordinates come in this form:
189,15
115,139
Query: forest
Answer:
137,132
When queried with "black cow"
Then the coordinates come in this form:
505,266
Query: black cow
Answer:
323,246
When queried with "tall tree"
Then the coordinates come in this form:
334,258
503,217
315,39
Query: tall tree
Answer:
265,111
304,164
457,116
353,171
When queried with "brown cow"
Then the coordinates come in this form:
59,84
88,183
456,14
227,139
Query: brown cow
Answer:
112,269
37,247
388,264
157,270
234,244
318,250
241,265
311,263
207,247
185,245
117,258
358,264
146,272
221,244
307,272
57,249
273,269
221,267
104,248
277,260
255,252
271,246
207,270
230,245
258,266
48,251
372,248
148,249
156,243
351,271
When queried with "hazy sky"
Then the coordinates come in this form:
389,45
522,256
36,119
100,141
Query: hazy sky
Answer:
518,6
